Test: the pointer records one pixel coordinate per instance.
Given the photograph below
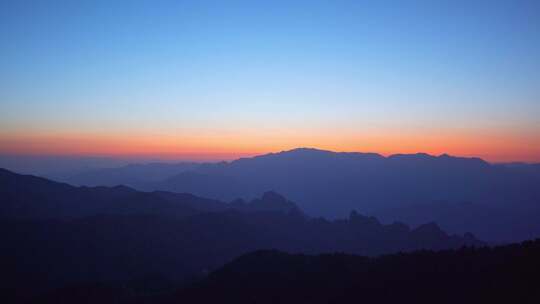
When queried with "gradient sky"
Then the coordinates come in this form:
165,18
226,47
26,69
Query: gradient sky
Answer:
222,79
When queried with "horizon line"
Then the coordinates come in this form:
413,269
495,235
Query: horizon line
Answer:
216,157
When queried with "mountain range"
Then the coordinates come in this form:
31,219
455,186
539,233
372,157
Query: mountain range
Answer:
498,202
54,234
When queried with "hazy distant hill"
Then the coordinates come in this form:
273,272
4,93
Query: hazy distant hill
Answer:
30,197
499,202
59,167
132,174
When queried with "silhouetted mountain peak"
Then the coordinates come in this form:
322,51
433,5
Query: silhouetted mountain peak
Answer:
297,153
31,197
273,201
270,201
273,197
238,203
356,218
469,237
417,156
318,152
312,154
305,154
304,151
430,230
123,188
426,156
399,227
5,172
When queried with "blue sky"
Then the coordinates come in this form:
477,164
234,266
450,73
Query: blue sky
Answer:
224,67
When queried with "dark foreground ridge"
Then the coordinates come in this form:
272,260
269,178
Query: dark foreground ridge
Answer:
504,274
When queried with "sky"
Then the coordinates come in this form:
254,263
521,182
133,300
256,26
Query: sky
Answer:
223,79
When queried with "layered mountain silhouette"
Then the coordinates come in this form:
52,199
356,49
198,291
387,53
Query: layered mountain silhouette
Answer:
31,197
55,234
497,202
26,196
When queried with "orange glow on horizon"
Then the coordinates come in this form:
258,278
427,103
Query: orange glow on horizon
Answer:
491,146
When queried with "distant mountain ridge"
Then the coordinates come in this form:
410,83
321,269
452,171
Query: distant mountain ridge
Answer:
415,188
27,196
31,197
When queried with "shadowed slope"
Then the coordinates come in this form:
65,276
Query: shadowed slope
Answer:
499,275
